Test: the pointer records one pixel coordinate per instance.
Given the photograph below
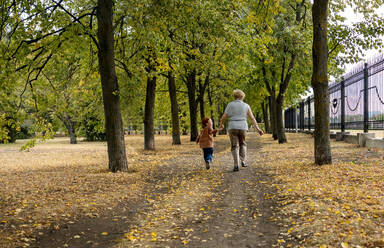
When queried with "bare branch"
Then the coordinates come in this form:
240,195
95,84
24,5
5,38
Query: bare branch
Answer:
28,42
29,81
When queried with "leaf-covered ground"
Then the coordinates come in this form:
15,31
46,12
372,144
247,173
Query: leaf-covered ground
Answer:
338,205
61,195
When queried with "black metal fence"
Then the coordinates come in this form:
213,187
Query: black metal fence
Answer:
357,102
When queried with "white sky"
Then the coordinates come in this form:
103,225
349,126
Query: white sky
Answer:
355,17
352,18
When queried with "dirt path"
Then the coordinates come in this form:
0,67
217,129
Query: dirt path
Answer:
243,219
185,206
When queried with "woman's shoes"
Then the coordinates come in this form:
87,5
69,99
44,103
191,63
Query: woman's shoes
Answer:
243,164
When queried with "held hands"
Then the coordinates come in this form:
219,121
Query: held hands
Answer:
260,132
221,127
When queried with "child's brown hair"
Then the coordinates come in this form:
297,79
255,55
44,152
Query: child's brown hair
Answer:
204,121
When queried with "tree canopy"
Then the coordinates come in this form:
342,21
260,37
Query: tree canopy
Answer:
189,54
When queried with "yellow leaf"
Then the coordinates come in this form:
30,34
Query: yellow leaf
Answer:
344,245
130,237
104,233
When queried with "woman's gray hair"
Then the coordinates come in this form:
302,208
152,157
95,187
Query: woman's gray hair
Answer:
238,94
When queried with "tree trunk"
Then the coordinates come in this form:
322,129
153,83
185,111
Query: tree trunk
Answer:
271,100
272,108
72,135
264,107
201,104
174,109
113,121
211,104
320,82
149,131
284,82
280,122
71,131
202,88
70,126
221,113
191,86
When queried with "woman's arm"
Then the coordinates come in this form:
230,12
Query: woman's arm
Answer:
250,114
223,118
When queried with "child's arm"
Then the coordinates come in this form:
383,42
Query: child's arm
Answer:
215,131
198,137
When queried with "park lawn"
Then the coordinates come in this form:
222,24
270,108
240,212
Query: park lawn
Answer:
56,182
338,205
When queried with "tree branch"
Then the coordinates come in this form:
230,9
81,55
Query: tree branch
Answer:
284,84
29,81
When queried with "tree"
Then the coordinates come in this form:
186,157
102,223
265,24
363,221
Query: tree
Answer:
291,34
113,121
345,39
36,31
149,132
174,109
265,111
320,82
58,95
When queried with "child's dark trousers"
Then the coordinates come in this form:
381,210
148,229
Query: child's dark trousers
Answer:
208,154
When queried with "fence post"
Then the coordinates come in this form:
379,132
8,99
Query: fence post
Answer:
302,115
342,100
366,117
287,121
296,121
309,113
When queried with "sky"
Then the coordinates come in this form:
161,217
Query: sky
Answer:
352,18
355,17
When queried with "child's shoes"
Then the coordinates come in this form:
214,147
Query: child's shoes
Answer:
207,164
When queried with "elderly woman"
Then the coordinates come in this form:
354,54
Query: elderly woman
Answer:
237,112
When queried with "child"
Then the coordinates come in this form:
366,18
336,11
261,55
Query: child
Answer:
205,140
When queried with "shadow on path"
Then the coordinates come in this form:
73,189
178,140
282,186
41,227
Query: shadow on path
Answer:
237,214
